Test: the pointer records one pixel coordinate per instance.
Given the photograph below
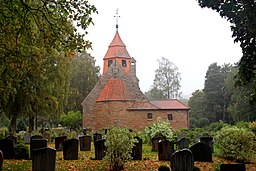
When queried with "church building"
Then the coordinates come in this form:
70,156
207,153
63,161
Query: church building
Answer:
116,100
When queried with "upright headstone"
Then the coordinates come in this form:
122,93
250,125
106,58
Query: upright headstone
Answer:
97,137
59,141
165,150
85,143
155,142
36,137
7,147
44,159
36,144
201,152
27,137
137,149
182,160
11,137
163,168
208,141
99,148
70,149
1,160
182,143
233,167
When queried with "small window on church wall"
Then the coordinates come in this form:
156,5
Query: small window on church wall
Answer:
169,117
110,62
124,63
149,116
133,63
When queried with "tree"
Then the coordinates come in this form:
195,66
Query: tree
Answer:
84,76
196,104
242,16
36,38
167,81
72,120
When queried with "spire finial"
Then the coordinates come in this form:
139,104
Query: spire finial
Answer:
117,16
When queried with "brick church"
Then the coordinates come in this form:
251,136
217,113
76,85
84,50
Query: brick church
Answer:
116,100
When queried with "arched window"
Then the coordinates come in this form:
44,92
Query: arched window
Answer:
170,117
149,116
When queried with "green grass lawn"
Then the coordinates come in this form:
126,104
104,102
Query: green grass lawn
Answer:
150,163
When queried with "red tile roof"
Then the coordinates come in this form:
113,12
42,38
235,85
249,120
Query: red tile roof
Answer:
114,90
172,104
117,48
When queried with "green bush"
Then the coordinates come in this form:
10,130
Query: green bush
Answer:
21,151
236,143
119,143
160,129
3,132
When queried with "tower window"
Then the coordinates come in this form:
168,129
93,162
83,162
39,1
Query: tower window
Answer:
124,63
110,62
169,117
149,116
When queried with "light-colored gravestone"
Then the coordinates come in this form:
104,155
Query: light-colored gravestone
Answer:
44,159
182,160
27,137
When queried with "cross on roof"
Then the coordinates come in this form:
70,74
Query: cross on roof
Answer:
117,16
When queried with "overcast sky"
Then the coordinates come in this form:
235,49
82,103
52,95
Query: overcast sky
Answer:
189,36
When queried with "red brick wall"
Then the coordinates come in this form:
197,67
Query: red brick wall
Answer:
107,114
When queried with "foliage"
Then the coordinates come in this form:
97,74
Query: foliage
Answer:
167,81
236,143
196,104
252,126
3,132
160,129
21,151
242,16
84,75
72,120
21,126
119,143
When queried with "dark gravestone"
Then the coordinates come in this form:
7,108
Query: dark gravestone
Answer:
59,141
1,160
208,141
99,149
182,160
44,159
137,150
70,149
36,144
155,142
182,143
163,168
36,137
201,152
165,150
12,138
7,147
97,137
27,137
85,143
232,167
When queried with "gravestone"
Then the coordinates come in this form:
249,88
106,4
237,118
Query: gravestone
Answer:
99,148
165,150
44,159
85,143
97,137
182,160
12,138
201,152
208,141
36,144
182,143
58,142
233,167
1,160
27,137
70,149
7,147
155,142
137,150
36,137
163,168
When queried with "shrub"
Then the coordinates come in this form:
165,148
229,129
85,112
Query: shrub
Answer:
160,129
252,126
236,143
119,143
21,151
3,132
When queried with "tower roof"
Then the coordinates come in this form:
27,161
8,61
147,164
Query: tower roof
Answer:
117,48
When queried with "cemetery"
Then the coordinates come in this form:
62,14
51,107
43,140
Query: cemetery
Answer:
135,150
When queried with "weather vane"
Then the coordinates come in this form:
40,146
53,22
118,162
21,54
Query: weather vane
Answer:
117,16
